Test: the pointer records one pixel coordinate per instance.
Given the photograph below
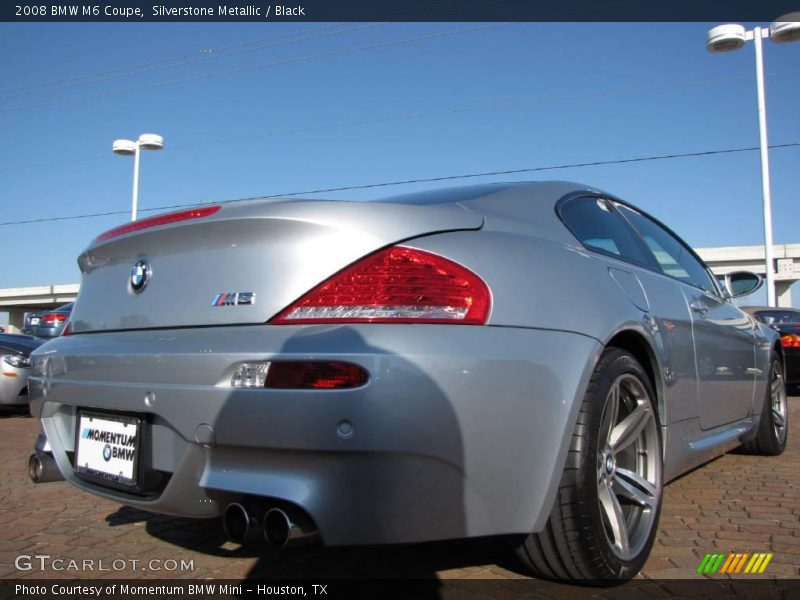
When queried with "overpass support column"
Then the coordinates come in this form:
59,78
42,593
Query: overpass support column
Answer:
16,319
784,293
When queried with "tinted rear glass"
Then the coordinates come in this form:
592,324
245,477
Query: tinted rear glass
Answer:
598,226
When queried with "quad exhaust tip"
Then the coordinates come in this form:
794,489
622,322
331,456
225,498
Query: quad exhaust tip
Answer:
284,528
42,468
250,521
242,524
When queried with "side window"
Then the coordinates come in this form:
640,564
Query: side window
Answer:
672,255
598,226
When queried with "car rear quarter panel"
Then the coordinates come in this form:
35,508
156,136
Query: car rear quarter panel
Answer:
546,284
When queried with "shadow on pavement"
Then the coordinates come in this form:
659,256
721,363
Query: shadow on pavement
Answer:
413,561
14,410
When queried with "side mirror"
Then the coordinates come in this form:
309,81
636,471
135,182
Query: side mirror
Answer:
742,283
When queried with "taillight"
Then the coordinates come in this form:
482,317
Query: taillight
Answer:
395,285
790,341
54,319
174,217
67,329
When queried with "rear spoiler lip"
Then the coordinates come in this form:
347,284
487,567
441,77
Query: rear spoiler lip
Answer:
157,220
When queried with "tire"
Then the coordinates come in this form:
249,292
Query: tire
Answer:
605,515
773,426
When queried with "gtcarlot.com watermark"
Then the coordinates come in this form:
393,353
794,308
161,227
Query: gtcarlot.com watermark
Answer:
45,562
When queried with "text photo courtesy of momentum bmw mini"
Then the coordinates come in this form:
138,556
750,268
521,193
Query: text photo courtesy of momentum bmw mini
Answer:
289,364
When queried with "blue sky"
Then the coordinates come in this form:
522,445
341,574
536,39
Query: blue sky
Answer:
580,93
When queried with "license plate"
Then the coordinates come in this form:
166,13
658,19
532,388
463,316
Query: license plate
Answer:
35,321
108,448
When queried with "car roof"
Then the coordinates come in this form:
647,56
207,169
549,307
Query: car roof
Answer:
538,190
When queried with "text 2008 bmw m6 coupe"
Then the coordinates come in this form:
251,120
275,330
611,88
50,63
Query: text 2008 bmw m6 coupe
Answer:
529,359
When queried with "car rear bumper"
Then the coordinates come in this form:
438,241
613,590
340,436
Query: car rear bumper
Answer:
461,430
46,332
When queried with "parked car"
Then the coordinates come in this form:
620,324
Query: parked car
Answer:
31,319
786,321
508,359
15,364
50,323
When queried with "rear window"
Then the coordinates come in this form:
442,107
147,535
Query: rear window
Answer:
598,226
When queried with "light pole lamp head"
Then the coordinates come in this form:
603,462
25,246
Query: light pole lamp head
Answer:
124,147
785,29
725,38
151,141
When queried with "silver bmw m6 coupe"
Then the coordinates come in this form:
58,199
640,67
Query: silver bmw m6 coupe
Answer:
532,360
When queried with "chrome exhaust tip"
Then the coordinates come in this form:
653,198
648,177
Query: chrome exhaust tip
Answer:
241,524
42,468
286,527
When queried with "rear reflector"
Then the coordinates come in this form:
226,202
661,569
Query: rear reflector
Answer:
315,375
318,375
175,217
790,341
395,285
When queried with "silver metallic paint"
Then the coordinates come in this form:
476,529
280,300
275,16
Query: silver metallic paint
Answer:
461,431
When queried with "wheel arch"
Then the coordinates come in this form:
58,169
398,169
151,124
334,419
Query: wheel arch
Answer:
637,344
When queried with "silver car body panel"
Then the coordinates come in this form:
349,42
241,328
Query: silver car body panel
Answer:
461,430
13,381
275,250
440,398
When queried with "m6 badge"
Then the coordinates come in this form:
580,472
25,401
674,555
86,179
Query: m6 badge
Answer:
234,299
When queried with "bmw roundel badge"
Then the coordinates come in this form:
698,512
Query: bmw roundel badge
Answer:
140,275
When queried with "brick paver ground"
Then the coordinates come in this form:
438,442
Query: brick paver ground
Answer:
736,503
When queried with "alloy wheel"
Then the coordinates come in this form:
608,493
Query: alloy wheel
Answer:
628,467
778,402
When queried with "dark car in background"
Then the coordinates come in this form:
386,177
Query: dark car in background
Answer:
15,362
48,324
786,321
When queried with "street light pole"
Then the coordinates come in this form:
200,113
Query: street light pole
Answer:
146,141
758,33
726,38
135,199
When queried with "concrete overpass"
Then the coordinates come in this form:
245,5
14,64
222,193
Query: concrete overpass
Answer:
751,258
17,301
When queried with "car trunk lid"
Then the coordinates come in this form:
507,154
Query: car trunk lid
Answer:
241,264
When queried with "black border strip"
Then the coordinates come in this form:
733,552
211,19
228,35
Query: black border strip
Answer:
394,589
395,10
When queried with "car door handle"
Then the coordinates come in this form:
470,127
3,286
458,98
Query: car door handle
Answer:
698,307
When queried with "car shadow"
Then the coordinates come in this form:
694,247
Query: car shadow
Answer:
22,410
391,495
402,561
